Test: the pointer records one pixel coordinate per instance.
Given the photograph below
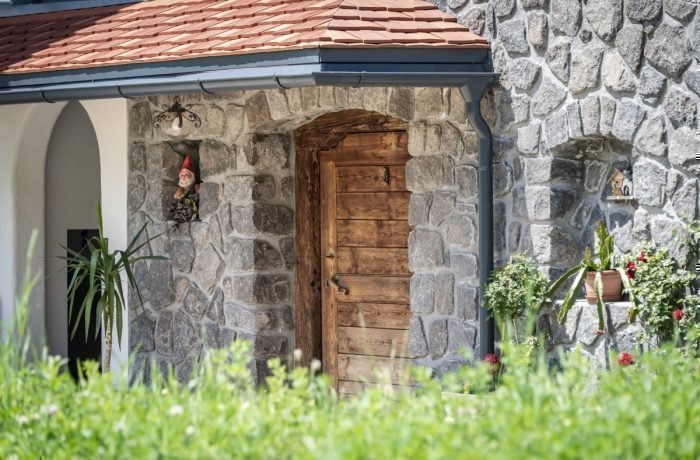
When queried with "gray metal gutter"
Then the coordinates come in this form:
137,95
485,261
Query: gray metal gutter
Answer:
473,94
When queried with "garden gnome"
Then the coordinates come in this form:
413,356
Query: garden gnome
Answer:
187,180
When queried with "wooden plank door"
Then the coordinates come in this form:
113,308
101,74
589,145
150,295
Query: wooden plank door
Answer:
364,257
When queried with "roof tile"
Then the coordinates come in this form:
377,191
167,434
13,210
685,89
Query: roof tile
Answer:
166,30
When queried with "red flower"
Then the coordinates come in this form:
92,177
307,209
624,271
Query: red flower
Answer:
493,360
678,314
630,270
625,359
599,332
642,257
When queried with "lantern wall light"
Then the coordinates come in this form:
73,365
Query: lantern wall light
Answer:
176,114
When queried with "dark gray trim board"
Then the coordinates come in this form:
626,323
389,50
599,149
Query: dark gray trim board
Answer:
52,7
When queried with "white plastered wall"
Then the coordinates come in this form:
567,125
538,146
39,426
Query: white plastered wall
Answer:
25,131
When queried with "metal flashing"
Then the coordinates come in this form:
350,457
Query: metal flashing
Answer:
40,8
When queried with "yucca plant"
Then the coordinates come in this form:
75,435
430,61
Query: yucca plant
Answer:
102,269
598,266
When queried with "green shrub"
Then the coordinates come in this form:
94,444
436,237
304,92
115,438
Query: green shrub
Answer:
648,410
516,289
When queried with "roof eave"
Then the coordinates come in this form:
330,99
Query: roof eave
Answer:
448,67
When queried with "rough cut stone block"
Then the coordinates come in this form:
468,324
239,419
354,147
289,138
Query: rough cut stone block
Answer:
402,103
475,20
643,10
605,17
140,122
595,175
261,289
425,250
590,116
681,10
182,255
208,199
669,50
607,114
585,70
160,282
263,218
429,173
681,108
267,345
443,205
467,182
685,201
215,158
207,268
552,245
556,130
268,151
649,182
651,138
541,170
512,35
417,345
685,144
537,29
523,73
195,302
422,293
630,44
462,336
137,157
437,342
258,320
616,76
651,85
558,58
419,208
502,179
521,107
548,97
240,188
529,138
215,309
565,16
464,265
459,229
628,117
466,302
573,115
538,202
444,293
141,333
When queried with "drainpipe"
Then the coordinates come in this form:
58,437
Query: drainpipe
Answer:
473,92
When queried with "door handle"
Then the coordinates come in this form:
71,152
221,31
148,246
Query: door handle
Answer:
335,281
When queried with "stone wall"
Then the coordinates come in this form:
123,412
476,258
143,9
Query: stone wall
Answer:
231,275
587,87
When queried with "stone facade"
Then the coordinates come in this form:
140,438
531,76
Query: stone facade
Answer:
579,332
587,87
231,276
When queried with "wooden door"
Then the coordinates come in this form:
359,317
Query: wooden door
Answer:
364,257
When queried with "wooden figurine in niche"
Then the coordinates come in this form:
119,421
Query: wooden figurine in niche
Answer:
620,184
185,204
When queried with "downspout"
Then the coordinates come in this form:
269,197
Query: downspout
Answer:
473,92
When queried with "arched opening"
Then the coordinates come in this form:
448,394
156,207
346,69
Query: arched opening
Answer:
71,194
352,299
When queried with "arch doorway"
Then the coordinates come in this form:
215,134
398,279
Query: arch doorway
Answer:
71,193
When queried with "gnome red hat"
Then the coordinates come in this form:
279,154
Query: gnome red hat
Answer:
187,164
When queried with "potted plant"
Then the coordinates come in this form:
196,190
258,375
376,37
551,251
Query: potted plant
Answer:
602,279
102,271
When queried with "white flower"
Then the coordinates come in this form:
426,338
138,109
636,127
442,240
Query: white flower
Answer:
449,420
164,392
22,419
176,410
52,409
189,431
297,354
315,365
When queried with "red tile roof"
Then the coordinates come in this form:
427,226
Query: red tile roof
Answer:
166,30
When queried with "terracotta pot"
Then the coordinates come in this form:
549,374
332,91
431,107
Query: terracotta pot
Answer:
612,286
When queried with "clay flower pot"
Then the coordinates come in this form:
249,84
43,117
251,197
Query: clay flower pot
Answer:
612,286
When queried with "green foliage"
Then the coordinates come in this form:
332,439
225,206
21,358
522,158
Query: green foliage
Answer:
660,287
648,410
517,288
603,262
102,270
